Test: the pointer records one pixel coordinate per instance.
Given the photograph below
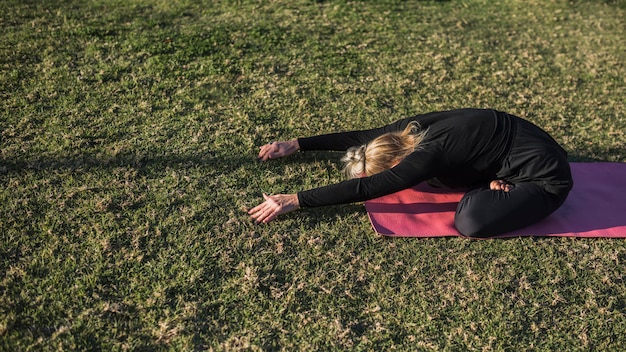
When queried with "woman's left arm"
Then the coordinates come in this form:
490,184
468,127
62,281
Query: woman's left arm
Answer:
414,169
273,206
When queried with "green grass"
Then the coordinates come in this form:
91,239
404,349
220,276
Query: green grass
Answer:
128,135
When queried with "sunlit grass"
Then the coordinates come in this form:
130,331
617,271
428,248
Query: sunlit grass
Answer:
128,134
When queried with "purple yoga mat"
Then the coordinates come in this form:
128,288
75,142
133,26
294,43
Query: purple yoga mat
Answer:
596,207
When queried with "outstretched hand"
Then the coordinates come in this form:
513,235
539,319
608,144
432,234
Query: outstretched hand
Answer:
273,206
277,150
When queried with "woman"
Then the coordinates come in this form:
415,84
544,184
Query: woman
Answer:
515,173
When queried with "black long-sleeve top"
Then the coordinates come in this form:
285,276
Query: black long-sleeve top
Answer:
461,148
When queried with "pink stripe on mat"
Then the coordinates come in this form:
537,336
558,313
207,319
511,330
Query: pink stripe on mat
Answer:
596,207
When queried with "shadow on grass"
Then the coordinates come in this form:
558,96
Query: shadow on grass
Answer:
147,160
137,161
141,160
332,213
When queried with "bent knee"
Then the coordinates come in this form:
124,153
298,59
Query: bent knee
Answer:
471,226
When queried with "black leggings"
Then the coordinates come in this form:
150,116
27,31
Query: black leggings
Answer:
537,166
485,213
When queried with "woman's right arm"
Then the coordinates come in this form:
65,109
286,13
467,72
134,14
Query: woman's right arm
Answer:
277,150
332,141
343,140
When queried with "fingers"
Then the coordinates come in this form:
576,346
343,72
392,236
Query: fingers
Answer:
267,151
256,209
264,216
263,151
277,150
271,216
273,206
266,211
262,213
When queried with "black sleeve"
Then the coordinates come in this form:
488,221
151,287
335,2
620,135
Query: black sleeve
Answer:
343,140
414,169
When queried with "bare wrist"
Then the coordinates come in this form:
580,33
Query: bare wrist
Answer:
295,200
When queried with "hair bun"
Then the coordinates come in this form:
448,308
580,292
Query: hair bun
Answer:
354,161
355,154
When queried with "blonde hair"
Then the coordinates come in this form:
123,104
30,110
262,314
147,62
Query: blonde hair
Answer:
383,152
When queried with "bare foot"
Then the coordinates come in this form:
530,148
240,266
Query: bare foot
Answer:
500,185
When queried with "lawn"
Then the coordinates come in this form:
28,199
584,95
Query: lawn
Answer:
128,136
